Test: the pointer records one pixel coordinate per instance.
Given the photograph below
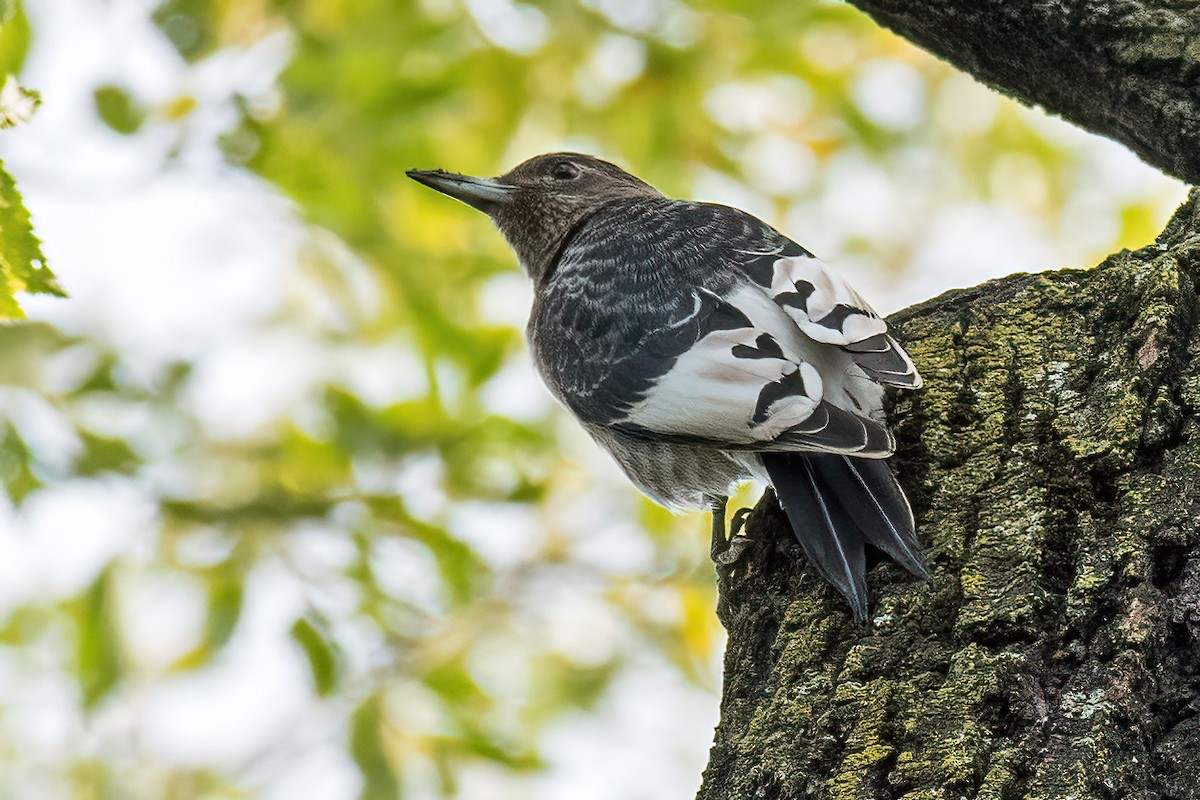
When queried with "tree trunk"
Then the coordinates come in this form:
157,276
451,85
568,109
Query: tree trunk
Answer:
1054,468
1126,69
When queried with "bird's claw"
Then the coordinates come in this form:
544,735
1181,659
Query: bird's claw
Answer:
730,555
738,522
737,542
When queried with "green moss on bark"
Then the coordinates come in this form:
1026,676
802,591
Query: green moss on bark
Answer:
1055,473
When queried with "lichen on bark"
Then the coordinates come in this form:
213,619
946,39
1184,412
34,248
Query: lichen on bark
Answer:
1054,469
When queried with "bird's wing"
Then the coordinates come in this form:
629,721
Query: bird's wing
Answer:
828,310
700,323
734,374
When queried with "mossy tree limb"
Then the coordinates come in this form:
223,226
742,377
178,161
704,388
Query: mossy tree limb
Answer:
1053,461
1126,69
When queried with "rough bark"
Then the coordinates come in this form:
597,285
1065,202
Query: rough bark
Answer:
1126,69
1053,463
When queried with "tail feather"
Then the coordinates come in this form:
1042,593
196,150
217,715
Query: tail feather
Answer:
836,505
831,539
869,492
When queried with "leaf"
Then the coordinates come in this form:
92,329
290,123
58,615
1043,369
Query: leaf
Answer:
24,350
16,470
118,109
14,36
367,749
22,265
451,680
98,653
189,25
105,454
225,596
271,506
464,575
226,593
323,656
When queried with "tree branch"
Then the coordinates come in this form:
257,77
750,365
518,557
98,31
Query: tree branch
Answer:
1054,466
1125,69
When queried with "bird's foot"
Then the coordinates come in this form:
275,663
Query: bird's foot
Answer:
737,543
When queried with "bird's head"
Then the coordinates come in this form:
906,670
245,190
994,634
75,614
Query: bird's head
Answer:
538,204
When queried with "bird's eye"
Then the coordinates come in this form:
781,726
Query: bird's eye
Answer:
565,171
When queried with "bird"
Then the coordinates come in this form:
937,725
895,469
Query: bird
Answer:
703,348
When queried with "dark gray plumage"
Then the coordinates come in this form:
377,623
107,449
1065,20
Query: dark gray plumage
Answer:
701,347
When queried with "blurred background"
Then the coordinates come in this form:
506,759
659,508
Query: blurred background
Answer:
286,514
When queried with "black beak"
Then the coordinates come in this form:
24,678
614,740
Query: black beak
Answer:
481,193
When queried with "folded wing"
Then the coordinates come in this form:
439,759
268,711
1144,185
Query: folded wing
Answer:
828,310
735,374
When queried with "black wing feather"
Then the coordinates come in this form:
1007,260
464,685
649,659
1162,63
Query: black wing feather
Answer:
885,361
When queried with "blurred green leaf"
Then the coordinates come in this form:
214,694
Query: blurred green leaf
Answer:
98,647
14,37
24,625
370,753
322,653
561,683
100,380
272,506
16,465
105,454
225,584
117,108
24,349
225,596
461,570
309,466
189,25
450,679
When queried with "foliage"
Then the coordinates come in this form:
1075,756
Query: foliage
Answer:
22,265
439,648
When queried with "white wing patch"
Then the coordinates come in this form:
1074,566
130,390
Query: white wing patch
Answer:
712,393
828,310
757,387
821,303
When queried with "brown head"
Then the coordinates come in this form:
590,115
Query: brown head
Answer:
538,204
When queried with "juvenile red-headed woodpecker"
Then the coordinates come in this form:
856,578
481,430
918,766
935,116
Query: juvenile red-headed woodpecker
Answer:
701,348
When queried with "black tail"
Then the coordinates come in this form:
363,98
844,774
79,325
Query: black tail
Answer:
837,505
